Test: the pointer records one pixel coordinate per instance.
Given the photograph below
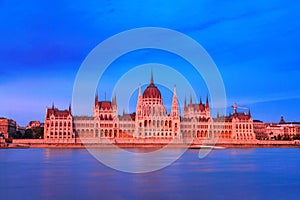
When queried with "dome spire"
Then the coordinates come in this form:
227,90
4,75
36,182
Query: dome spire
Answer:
151,79
140,90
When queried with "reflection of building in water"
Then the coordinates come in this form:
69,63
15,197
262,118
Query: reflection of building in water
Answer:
151,120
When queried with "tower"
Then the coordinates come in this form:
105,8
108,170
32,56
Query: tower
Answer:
175,109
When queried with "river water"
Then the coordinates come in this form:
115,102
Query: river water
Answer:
224,174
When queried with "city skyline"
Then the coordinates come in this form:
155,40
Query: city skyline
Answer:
43,46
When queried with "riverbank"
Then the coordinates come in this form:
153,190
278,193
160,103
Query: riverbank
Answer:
268,144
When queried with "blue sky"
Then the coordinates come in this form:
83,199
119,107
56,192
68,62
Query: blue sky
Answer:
255,45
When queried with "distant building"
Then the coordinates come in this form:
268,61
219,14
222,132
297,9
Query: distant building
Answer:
291,129
274,131
7,127
285,130
259,129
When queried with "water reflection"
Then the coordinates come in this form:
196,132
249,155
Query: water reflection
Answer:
75,174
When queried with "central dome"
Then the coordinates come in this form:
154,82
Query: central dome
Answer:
152,91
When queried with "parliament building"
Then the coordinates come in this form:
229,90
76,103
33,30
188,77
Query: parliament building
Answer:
150,121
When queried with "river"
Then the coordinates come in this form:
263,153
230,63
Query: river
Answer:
262,173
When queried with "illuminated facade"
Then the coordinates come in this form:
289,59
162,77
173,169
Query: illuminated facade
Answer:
58,125
150,120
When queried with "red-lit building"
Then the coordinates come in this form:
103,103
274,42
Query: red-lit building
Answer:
150,120
58,125
7,127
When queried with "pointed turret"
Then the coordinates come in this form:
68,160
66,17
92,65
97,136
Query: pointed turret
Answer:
174,102
191,100
139,102
140,90
249,113
207,104
175,109
96,98
114,101
200,100
52,105
151,79
70,108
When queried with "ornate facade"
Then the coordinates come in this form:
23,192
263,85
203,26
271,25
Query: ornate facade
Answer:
58,124
150,120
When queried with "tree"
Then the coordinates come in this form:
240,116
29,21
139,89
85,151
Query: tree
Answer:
38,132
28,134
286,137
17,135
296,137
279,137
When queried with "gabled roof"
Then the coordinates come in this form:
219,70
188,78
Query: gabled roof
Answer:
57,113
105,105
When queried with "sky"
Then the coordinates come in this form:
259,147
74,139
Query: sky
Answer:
255,45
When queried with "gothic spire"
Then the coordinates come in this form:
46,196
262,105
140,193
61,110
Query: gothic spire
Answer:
207,104
96,98
140,90
114,100
151,79
175,110
174,97
191,100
